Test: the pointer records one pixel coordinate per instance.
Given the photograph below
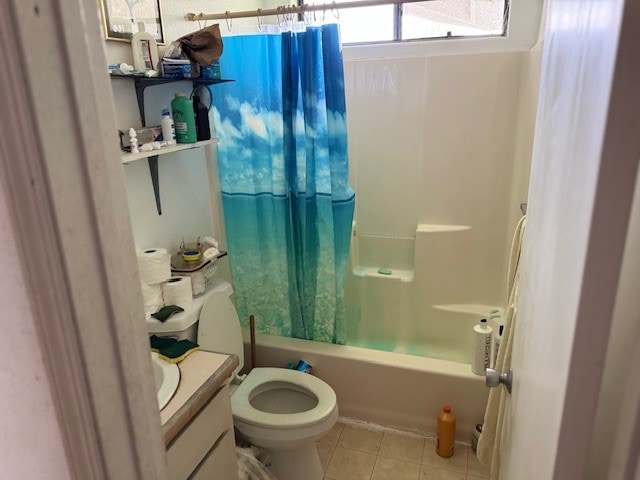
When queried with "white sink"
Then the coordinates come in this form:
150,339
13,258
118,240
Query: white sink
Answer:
167,376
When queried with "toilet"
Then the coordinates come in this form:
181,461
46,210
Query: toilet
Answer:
280,410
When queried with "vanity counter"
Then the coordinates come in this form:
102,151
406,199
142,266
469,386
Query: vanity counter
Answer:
202,376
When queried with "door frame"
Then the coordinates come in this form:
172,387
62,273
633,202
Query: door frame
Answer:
64,182
63,179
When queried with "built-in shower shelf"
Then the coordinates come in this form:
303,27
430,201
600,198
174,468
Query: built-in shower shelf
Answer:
396,274
473,309
438,228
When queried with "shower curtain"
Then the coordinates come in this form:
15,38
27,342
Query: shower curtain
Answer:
283,167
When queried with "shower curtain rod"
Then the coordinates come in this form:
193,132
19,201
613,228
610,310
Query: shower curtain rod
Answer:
289,9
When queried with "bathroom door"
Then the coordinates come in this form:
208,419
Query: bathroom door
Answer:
585,160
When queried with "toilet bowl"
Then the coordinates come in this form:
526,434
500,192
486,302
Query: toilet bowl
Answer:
283,411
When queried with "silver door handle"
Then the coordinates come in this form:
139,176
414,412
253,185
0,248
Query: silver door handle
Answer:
494,378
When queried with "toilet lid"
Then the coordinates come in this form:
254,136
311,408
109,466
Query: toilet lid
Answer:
245,412
219,328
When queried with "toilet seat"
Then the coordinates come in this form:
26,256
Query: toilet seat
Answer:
245,412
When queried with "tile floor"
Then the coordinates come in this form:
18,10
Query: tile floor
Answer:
350,452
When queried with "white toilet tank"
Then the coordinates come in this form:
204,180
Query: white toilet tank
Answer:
184,325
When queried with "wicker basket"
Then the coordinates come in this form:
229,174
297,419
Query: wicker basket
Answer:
205,274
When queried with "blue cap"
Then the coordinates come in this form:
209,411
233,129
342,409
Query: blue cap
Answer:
165,111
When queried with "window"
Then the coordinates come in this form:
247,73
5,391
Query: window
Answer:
420,20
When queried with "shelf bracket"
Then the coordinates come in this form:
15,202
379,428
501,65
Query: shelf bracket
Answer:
139,86
155,180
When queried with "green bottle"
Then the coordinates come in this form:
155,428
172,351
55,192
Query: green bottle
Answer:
183,119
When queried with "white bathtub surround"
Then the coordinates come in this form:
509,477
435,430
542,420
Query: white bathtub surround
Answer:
452,154
385,388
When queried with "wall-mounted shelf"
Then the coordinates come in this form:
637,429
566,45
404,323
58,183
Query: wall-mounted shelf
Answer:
140,83
132,157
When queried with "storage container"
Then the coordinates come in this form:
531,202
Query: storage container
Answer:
205,274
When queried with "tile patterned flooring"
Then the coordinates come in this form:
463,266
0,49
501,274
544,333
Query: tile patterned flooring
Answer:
351,452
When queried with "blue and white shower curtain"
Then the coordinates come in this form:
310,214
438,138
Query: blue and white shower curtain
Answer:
284,172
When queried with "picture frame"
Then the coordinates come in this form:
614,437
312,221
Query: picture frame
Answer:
121,19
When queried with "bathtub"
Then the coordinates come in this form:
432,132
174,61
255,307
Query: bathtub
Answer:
385,388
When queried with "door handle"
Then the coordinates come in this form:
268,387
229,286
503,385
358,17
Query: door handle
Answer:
494,378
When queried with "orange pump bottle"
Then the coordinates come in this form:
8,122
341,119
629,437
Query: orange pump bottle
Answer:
446,434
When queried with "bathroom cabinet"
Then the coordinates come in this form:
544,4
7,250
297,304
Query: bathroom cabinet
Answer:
197,422
206,444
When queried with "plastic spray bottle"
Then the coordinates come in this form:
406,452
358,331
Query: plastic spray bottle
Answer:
203,129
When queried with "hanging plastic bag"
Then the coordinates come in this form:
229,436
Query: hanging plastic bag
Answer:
250,468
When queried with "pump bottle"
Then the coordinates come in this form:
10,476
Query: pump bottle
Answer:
481,359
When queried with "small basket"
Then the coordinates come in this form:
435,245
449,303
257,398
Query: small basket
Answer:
205,274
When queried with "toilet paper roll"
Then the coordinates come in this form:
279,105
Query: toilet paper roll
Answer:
152,295
177,291
154,265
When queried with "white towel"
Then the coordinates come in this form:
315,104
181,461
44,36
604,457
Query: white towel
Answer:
495,414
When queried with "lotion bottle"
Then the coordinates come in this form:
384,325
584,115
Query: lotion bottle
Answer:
168,130
481,359
446,432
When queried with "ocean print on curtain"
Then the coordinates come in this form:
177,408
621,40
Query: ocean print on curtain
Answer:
284,172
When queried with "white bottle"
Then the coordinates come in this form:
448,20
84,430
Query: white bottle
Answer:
481,359
168,129
145,50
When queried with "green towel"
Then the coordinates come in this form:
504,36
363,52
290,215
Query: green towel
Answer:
165,312
178,351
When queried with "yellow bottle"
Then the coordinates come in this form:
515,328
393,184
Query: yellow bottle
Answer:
446,434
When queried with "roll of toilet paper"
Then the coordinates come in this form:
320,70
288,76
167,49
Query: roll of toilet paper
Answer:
152,297
154,265
177,291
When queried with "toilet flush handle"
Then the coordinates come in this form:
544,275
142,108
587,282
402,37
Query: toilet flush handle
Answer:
494,378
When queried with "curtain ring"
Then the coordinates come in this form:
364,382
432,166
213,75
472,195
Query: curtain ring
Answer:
259,17
228,20
335,11
278,15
